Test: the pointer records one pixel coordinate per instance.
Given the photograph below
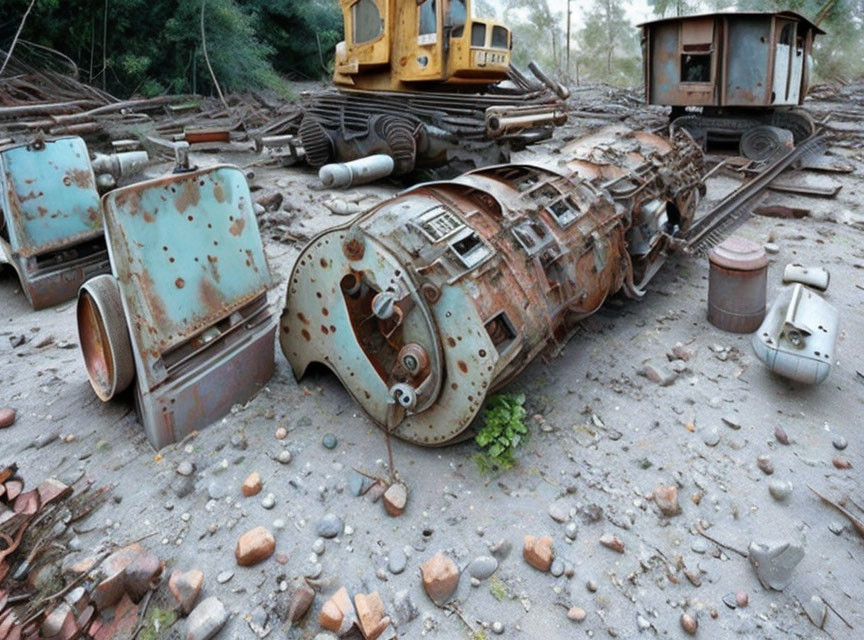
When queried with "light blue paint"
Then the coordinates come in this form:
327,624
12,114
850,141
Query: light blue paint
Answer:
186,251
49,195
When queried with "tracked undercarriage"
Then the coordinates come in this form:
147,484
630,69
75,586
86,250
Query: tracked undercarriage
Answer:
427,129
760,135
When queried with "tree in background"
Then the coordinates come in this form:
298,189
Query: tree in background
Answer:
537,33
609,45
148,47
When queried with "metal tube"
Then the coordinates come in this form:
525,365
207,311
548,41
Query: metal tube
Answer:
345,174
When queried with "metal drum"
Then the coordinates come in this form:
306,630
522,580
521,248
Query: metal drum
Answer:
737,282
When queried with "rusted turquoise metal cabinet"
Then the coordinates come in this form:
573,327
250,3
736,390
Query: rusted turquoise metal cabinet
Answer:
50,218
189,293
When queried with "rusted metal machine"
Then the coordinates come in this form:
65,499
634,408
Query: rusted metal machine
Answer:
421,80
184,313
445,292
733,77
50,218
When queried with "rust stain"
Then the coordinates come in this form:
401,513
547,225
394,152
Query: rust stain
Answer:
306,335
42,211
189,196
302,318
82,178
179,283
324,330
154,301
218,192
462,366
237,228
210,296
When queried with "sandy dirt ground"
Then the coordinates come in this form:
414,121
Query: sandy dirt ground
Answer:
602,438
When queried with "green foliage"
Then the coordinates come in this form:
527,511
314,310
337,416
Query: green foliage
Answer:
157,622
154,46
499,590
609,46
503,430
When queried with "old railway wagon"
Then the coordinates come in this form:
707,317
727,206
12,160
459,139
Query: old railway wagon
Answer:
733,76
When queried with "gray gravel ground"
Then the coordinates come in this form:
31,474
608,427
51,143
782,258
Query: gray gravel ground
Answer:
602,439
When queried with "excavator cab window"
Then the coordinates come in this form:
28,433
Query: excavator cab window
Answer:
499,38
428,14
367,21
456,18
478,34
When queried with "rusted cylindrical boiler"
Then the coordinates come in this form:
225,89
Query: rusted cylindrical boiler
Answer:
443,293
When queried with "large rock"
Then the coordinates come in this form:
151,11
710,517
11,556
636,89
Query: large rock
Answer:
302,597
440,577
775,562
370,615
206,619
254,546
185,587
142,575
113,572
337,614
538,552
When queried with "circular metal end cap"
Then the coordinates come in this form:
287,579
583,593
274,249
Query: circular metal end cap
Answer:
104,338
738,254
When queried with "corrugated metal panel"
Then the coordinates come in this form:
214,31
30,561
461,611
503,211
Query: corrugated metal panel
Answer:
49,195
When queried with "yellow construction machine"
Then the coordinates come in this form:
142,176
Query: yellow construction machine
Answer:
428,82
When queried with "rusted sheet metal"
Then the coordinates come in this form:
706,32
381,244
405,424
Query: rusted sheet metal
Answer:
193,277
446,291
50,218
741,59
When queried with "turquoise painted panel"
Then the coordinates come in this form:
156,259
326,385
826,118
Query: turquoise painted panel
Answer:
747,82
186,251
49,195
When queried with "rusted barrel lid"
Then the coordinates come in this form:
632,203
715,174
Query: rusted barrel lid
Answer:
738,254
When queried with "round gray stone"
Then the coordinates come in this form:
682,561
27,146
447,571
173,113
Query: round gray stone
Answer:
329,441
482,567
397,561
780,489
329,526
557,568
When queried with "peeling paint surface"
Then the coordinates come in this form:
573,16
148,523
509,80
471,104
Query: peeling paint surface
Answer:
49,195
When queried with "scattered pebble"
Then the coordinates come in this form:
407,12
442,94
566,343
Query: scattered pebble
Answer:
666,498
765,465
571,530
780,489
497,628
780,435
284,456
711,438
329,441
269,501
329,526
7,417
840,443
318,546
578,614
224,577
397,561
281,433
689,623
185,468
611,541
841,463
557,568
482,567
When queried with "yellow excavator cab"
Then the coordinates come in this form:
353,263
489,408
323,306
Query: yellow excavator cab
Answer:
392,45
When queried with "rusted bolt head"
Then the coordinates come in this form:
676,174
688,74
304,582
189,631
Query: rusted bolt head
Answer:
353,249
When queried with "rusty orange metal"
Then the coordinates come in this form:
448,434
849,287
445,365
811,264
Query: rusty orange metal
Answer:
445,292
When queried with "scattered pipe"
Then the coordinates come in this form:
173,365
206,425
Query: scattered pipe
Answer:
562,91
345,174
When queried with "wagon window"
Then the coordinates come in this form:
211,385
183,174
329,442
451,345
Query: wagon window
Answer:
696,67
697,39
367,21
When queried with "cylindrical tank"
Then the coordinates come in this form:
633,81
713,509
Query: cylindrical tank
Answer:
737,280
443,293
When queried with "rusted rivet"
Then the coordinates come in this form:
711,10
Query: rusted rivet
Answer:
180,283
353,249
